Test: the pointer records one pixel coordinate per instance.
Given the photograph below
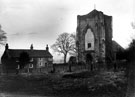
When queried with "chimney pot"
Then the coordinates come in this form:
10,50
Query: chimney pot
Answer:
47,48
31,47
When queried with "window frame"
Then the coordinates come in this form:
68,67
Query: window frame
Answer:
31,65
89,45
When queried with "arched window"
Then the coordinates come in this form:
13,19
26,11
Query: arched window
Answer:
89,40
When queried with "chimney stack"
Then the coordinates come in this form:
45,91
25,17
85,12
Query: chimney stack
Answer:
6,47
47,48
31,47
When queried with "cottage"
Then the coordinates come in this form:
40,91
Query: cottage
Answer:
39,60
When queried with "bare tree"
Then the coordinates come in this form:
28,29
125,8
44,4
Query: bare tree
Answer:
133,25
74,50
64,44
3,37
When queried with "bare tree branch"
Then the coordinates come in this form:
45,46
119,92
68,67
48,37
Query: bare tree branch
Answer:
3,37
133,25
64,44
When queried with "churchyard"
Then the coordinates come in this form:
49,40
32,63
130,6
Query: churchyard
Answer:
84,83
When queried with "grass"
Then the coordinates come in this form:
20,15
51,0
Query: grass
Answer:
24,85
82,84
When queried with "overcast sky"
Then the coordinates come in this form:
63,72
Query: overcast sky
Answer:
39,22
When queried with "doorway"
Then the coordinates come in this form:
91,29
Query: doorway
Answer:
89,60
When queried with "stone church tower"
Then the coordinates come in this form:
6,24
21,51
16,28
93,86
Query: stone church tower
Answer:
94,37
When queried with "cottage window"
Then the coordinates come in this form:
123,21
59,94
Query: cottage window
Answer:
50,59
103,40
45,64
18,67
30,65
17,60
40,64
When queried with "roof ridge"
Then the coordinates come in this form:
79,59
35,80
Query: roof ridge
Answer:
29,49
32,53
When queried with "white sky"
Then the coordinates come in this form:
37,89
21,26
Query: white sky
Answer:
40,21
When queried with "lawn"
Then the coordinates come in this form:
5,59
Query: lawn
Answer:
81,84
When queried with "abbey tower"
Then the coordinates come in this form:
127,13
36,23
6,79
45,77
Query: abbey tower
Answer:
94,37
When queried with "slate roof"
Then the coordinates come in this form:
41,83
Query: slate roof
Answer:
32,53
116,46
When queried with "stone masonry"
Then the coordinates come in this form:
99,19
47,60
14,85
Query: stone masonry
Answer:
94,37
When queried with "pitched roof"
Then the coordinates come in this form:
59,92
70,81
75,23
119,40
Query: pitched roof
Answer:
32,53
117,46
93,13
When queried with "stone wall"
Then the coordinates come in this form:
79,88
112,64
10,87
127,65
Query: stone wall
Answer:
108,37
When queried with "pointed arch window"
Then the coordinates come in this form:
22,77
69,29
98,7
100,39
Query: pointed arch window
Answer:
89,40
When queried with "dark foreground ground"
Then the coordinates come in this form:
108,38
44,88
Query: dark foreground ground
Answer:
82,84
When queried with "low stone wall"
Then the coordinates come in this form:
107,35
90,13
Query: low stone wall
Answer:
74,68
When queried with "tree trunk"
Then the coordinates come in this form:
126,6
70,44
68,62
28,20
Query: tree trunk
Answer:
65,56
131,81
70,67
